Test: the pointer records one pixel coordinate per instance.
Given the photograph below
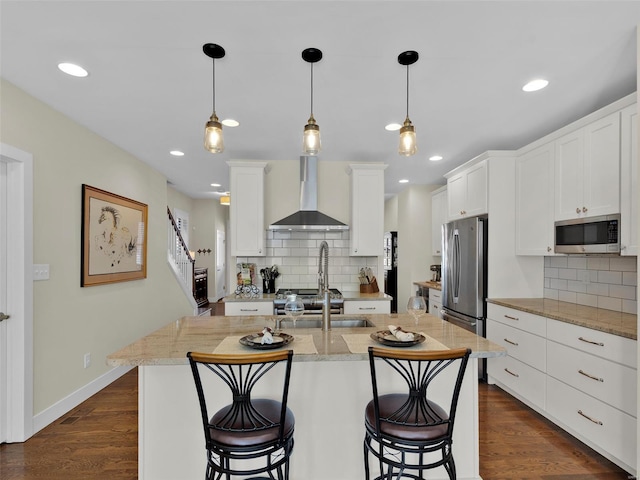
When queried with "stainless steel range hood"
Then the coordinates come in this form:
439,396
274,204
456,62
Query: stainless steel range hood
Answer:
308,217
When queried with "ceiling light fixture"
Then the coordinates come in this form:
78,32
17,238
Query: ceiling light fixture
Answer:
311,137
535,85
230,122
72,69
177,153
435,158
407,132
213,140
392,127
404,180
216,185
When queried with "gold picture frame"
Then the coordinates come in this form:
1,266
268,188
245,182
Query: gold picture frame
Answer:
114,238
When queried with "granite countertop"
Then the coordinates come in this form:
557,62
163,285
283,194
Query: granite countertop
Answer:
609,321
170,344
429,284
270,297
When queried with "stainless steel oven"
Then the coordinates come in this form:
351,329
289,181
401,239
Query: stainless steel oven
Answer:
311,299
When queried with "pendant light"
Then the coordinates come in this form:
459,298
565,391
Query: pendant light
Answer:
311,137
407,145
213,139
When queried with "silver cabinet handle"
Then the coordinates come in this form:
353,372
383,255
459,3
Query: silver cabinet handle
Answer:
600,344
3,316
248,309
511,318
511,373
584,209
597,379
578,210
548,249
366,308
509,341
597,422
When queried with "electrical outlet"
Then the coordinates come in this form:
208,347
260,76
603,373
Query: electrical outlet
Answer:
41,271
87,360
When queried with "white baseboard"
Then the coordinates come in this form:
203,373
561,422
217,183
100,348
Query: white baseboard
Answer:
55,411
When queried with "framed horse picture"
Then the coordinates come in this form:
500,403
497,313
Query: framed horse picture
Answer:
114,238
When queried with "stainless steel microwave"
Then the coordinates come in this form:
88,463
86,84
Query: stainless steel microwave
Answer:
592,235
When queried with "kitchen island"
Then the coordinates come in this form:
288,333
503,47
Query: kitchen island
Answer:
330,386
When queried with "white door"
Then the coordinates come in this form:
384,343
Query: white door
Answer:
221,263
16,296
3,302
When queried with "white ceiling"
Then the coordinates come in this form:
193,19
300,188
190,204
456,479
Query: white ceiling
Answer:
149,88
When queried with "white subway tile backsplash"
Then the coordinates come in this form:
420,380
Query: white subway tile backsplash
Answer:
608,282
610,277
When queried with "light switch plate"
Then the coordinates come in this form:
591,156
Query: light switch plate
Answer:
41,271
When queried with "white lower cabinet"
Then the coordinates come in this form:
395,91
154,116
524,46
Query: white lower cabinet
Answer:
612,431
435,303
353,307
582,379
248,308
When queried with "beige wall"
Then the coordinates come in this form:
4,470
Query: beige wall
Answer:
391,214
70,321
207,217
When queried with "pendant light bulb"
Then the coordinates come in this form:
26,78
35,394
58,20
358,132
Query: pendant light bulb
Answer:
213,139
408,145
311,138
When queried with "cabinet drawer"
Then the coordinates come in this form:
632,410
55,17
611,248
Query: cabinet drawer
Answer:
248,308
516,318
608,428
527,382
605,345
610,382
435,295
524,346
434,308
366,306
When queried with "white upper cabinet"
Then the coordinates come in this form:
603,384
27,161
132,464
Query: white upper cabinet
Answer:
629,181
367,209
467,192
587,170
534,201
246,215
438,217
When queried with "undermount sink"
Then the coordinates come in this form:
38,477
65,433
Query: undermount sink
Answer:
305,322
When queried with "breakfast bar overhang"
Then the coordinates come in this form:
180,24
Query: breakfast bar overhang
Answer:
330,386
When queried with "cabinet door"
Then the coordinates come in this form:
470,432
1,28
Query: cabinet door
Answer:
601,167
456,196
476,190
629,181
246,215
354,307
367,210
438,214
569,175
534,202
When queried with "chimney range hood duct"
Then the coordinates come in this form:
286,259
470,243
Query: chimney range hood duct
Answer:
308,218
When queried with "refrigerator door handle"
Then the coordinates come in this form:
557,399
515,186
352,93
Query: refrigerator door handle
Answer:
456,265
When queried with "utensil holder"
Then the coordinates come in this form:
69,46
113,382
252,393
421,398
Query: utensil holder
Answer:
371,287
269,286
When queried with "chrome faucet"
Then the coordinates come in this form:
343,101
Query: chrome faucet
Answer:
323,285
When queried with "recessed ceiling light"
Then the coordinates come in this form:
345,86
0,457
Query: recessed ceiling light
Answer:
230,122
534,85
435,158
177,153
216,185
392,127
404,180
73,69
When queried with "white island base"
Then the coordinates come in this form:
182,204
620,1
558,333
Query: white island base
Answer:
328,400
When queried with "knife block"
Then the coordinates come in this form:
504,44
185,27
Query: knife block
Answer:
371,287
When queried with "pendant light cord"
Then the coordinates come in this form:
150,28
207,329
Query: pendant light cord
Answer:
213,63
312,89
407,91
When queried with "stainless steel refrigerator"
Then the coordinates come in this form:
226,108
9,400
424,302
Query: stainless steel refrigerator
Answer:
464,276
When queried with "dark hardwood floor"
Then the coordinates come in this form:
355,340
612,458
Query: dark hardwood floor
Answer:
98,440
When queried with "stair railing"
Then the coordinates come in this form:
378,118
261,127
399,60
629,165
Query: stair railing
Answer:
179,257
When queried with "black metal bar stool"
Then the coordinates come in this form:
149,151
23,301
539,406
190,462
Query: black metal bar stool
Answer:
247,428
403,429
